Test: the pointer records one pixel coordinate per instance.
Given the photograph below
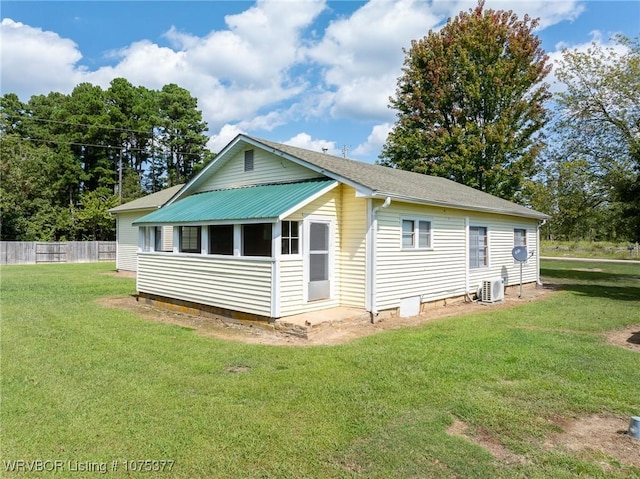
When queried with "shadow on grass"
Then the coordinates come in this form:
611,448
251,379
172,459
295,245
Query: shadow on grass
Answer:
595,284
634,338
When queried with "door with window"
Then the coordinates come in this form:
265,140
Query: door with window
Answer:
319,260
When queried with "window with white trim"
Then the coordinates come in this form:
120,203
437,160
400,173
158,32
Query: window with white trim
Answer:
221,239
290,237
478,247
519,237
190,237
416,233
256,239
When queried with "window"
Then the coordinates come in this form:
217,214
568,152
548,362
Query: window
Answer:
157,246
190,239
290,237
519,237
478,247
248,160
416,233
221,239
146,238
256,239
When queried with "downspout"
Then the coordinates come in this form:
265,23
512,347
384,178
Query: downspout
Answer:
540,225
373,257
466,260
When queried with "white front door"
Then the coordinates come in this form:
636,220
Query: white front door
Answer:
319,260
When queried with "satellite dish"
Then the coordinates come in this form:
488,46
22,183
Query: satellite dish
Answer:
519,253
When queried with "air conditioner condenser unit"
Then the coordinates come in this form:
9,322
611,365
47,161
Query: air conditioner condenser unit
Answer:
492,290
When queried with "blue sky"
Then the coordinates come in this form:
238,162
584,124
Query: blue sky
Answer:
315,74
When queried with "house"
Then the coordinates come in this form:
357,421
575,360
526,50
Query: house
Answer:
127,234
268,230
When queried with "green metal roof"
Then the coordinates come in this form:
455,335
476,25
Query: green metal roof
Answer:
254,202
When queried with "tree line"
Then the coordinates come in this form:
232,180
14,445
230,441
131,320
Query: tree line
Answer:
472,105
67,159
471,102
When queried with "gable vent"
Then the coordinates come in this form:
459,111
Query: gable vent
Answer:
248,160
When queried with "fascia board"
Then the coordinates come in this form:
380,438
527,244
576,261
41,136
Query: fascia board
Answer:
484,209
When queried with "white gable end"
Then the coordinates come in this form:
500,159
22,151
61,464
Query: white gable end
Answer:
267,168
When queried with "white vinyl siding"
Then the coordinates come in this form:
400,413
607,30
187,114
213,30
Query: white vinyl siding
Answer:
430,274
236,284
351,258
127,241
267,168
440,273
292,282
501,263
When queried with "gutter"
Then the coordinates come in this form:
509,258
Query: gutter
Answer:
409,199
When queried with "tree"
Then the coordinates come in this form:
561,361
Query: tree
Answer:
64,158
470,102
181,132
599,122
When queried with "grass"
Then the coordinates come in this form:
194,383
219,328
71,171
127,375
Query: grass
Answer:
82,383
590,249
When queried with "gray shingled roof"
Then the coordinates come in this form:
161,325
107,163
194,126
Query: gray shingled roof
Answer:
149,202
405,185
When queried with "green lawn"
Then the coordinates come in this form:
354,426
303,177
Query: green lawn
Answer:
589,249
84,384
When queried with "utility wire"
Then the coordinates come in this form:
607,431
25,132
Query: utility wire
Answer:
71,123
89,145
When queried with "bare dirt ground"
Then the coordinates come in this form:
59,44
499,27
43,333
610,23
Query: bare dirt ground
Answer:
338,333
598,438
601,439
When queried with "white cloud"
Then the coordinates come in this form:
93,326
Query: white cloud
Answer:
363,54
550,12
304,140
35,61
227,133
259,72
375,140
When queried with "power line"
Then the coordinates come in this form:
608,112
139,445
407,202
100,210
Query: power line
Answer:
89,145
72,123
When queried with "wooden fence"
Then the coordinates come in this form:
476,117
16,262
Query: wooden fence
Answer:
33,252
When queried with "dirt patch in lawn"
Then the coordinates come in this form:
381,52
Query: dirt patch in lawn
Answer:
598,438
628,338
338,333
486,441
601,439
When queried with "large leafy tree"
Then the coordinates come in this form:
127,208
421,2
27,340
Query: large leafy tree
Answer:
181,127
599,124
65,159
470,102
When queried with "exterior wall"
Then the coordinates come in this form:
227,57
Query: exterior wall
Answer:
230,283
431,274
352,256
292,279
267,168
501,263
441,271
127,240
